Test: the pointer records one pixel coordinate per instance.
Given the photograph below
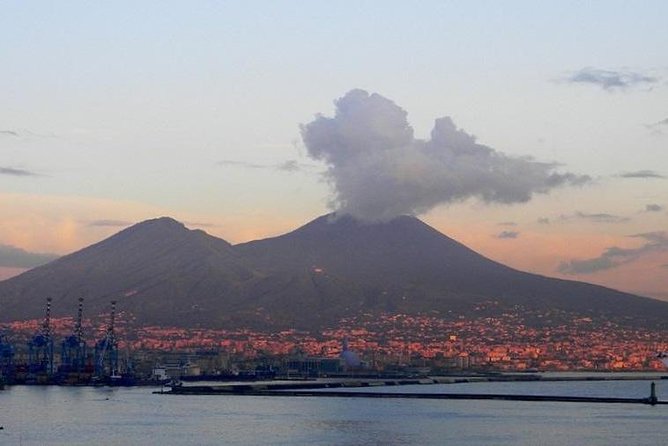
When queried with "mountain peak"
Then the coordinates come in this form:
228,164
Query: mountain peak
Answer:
157,229
143,267
339,230
347,222
160,222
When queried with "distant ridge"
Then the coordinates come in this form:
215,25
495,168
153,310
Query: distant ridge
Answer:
166,274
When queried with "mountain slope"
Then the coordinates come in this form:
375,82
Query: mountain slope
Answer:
405,265
158,270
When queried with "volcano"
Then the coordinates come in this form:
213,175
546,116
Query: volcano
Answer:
162,273
406,266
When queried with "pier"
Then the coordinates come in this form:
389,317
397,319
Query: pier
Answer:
323,389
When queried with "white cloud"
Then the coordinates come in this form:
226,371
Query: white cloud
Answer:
379,170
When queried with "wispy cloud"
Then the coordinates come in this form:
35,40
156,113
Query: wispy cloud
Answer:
507,223
658,127
641,174
597,217
245,164
12,257
614,256
16,172
508,235
286,166
593,217
199,224
653,208
610,79
25,133
109,223
291,166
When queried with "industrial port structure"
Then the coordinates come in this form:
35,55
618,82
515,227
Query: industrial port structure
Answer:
73,364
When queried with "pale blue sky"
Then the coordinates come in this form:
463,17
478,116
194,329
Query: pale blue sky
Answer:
135,105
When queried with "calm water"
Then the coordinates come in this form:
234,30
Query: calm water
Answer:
102,416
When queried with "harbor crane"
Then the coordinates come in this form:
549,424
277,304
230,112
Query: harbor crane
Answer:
73,353
6,358
106,351
40,350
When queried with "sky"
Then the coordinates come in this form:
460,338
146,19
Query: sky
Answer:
536,133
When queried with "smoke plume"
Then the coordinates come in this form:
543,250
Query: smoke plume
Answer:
379,170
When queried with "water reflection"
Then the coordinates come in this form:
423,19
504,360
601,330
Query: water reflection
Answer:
35,416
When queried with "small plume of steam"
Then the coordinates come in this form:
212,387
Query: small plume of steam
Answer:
379,170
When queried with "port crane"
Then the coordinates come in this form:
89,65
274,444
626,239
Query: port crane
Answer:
73,352
40,350
106,350
6,357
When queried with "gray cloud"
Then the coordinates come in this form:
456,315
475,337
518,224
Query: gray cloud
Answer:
653,208
641,174
25,133
16,172
508,235
290,166
507,223
657,127
379,170
599,217
610,79
246,164
12,257
109,223
614,256
286,166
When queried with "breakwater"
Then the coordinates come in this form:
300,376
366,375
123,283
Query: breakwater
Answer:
337,389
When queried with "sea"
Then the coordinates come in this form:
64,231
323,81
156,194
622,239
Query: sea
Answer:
69,416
